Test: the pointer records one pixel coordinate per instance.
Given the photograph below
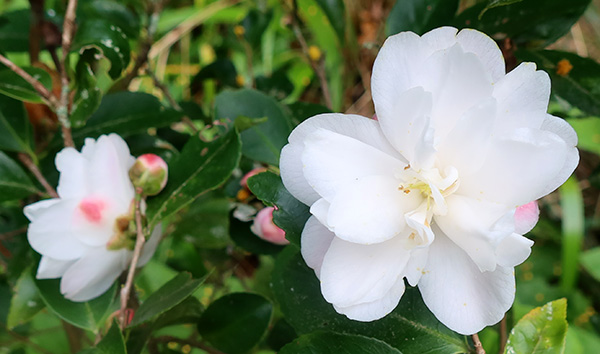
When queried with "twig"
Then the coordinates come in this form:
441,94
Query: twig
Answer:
74,336
139,244
503,335
317,67
26,160
35,29
62,110
190,342
165,90
477,343
47,96
13,233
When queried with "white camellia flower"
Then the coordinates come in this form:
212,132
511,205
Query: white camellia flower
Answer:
428,192
83,236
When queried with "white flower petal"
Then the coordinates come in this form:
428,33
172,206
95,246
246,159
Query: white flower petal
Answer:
513,250
50,234
440,38
477,227
526,216
332,160
353,126
73,182
33,211
486,50
315,242
353,274
376,309
93,274
520,168
461,296
150,245
320,209
369,210
50,268
416,265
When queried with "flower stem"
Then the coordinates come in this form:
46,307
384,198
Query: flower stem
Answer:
46,95
503,335
139,244
62,110
477,343
26,160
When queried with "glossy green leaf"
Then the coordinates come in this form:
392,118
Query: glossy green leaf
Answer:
581,341
420,16
336,343
126,113
14,182
88,95
573,231
411,327
113,342
262,142
496,3
291,215
14,31
16,87
579,85
88,315
243,237
588,133
336,14
236,322
302,110
15,130
590,260
167,297
25,302
109,40
542,330
206,223
255,23
201,166
115,12
526,22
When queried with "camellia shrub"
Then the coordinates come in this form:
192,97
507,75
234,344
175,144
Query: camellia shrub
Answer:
299,176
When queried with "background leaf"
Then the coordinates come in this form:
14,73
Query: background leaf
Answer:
14,182
420,16
113,342
25,302
15,129
236,322
335,12
590,260
335,343
16,87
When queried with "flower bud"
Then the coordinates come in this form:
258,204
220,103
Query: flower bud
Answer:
149,172
264,227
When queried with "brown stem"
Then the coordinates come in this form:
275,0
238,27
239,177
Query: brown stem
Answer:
62,110
74,336
139,244
35,29
190,342
13,233
477,343
503,335
318,67
46,95
26,160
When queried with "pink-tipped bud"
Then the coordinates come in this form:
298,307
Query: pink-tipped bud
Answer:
253,172
150,173
526,216
264,227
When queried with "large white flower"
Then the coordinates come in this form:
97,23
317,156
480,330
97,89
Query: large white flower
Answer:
82,235
429,191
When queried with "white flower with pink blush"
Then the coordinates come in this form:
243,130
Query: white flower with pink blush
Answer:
437,189
84,236
264,227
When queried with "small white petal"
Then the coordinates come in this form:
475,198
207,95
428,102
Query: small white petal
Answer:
353,274
73,182
315,242
33,211
320,209
374,310
526,216
52,268
513,250
369,210
440,38
416,265
486,50
461,296
418,219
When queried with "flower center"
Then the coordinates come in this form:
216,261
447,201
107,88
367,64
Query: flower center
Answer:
91,208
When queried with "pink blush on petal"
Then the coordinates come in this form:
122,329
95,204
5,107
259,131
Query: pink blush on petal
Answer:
526,216
92,208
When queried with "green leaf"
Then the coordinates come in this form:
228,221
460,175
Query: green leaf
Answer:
14,182
167,297
113,342
109,40
116,13
262,142
126,113
255,23
588,133
335,343
573,232
88,95
525,22
16,87
236,322
15,130
580,86
25,302
590,260
411,327
205,224
87,315
291,215
243,237
542,330
201,166
496,3
303,110
336,14
420,16
14,31
580,341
